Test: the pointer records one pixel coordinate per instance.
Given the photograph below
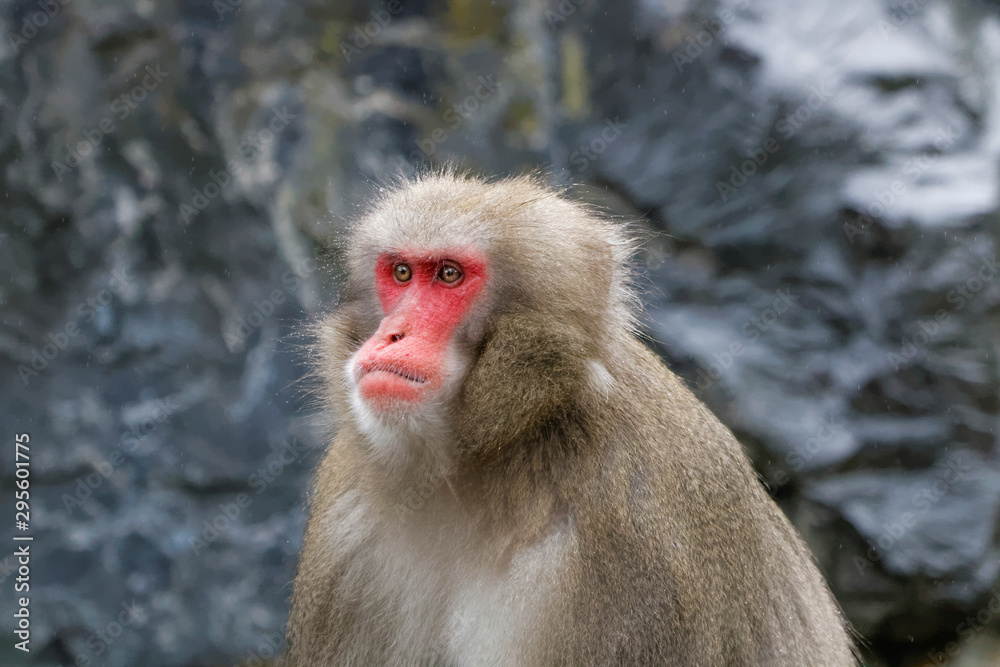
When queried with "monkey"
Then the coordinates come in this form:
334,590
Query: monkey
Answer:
516,478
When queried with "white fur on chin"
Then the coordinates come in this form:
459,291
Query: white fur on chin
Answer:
405,433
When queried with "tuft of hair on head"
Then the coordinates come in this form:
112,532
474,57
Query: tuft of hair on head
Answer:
544,245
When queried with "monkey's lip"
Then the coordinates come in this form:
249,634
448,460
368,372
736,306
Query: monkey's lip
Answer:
393,369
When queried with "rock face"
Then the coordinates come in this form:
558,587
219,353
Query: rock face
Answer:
820,181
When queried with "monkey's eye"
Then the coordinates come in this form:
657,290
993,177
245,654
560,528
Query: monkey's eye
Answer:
449,274
402,272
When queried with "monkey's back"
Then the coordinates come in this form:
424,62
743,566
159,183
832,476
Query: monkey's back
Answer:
693,562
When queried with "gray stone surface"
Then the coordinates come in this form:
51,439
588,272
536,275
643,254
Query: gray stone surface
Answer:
835,303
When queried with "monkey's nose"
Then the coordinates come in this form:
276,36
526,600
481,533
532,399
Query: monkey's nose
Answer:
391,330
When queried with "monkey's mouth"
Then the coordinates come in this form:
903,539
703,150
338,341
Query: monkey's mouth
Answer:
393,369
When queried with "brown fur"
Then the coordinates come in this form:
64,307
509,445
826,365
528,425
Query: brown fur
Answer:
569,521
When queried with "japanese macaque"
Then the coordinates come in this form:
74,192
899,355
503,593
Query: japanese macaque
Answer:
516,478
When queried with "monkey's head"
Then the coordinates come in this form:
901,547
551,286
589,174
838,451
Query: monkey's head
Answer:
456,284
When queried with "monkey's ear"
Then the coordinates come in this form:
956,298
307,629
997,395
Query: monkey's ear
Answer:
530,370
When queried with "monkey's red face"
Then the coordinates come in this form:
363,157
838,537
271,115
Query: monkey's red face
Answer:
425,298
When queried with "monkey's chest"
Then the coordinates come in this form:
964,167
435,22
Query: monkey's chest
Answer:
433,597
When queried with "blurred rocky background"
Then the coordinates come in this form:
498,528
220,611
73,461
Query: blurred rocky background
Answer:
820,184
